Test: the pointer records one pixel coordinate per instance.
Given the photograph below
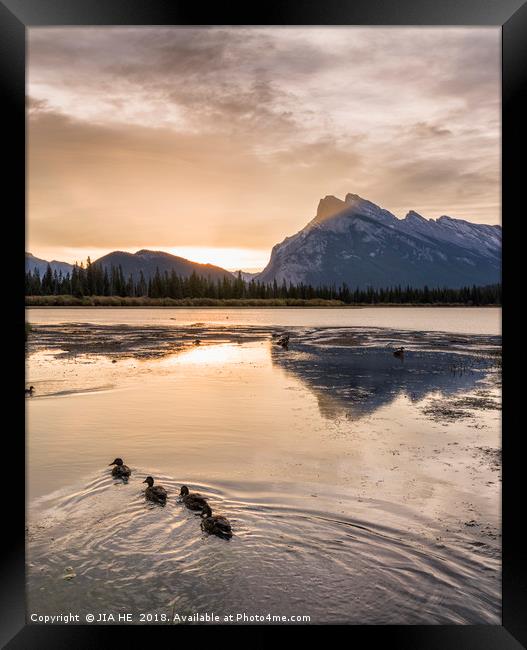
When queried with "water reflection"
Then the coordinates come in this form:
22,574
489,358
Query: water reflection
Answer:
329,518
355,382
216,354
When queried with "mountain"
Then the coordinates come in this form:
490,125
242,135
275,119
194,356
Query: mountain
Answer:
247,276
357,242
33,263
148,261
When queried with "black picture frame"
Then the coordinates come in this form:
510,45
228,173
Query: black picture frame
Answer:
15,17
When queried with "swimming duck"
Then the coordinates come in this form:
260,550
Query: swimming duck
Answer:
157,493
284,341
30,390
215,525
192,501
399,353
120,470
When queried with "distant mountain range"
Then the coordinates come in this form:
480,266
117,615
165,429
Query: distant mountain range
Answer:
357,242
133,263
352,241
33,263
247,275
148,261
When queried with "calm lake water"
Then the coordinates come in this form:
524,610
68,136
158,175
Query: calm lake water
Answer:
469,320
361,488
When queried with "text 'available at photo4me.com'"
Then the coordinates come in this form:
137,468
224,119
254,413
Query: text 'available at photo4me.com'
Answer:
173,618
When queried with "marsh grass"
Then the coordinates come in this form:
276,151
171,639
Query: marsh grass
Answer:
144,301
117,301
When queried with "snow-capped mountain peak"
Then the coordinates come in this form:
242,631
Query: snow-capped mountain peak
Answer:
358,242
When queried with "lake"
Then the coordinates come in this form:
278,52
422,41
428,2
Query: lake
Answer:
470,320
361,487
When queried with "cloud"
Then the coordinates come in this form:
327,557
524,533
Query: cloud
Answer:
426,130
229,136
107,185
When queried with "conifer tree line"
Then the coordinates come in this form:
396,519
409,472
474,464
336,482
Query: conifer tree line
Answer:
94,280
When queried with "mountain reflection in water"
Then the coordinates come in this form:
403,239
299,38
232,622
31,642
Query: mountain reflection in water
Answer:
355,381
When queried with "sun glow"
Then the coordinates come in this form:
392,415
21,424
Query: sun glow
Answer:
219,354
232,259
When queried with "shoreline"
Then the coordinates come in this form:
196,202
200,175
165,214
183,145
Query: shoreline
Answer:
208,303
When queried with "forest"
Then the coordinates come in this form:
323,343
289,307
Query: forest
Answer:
95,280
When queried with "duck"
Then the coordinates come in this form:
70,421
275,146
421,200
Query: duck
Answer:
215,524
120,470
399,353
192,501
158,494
30,390
197,342
284,341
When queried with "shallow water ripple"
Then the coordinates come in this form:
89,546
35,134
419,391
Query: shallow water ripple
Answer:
286,557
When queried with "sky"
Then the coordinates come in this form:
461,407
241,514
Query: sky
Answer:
215,143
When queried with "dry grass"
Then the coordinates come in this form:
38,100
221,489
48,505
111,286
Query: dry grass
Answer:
117,301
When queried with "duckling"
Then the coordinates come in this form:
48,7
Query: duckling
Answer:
157,493
399,353
192,501
215,525
120,470
30,390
